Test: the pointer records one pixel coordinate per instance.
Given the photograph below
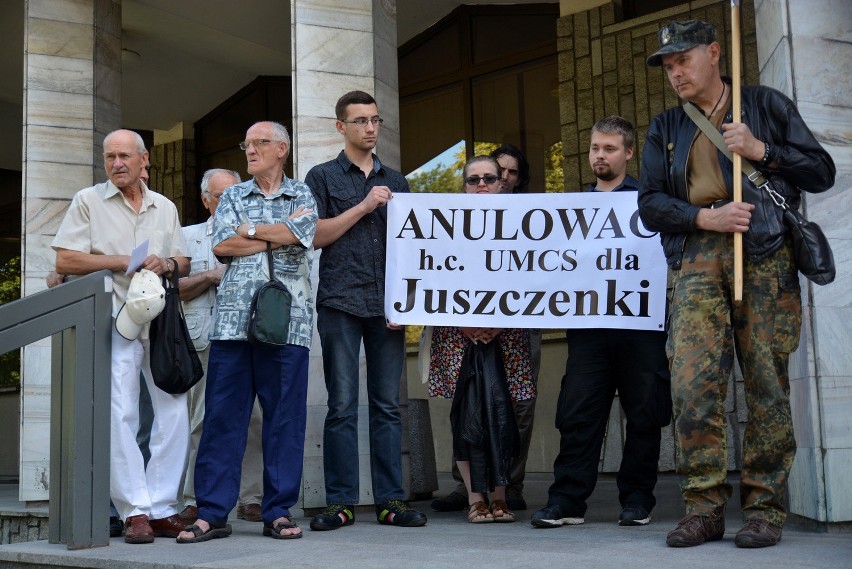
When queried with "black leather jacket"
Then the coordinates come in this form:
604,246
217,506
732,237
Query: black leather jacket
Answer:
800,164
481,417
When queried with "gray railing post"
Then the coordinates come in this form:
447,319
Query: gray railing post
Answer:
78,315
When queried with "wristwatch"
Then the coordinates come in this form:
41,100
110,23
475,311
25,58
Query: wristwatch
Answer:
252,230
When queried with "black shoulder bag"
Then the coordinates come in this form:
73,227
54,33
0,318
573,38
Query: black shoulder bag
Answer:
811,249
174,362
269,314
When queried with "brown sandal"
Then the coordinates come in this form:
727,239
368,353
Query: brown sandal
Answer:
477,513
501,506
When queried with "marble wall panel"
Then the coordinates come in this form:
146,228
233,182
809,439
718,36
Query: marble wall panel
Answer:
777,72
802,361
64,74
820,18
831,329
74,11
63,39
54,144
387,99
34,481
385,64
333,50
349,15
316,142
313,482
42,217
322,90
838,482
108,51
313,430
838,293
108,81
40,258
804,404
771,25
55,180
804,487
826,64
835,402
52,108
384,20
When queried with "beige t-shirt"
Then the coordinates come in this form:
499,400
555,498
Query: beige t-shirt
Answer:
101,221
704,180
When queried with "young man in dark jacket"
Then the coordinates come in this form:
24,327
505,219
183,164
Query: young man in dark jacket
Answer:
686,195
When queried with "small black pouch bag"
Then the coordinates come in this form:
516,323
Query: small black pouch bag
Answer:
269,314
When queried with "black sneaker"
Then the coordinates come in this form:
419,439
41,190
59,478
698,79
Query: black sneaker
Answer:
333,517
552,516
633,515
398,513
451,503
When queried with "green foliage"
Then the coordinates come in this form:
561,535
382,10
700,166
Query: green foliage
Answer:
553,179
10,289
447,179
440,179
412,334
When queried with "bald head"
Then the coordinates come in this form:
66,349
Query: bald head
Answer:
125,158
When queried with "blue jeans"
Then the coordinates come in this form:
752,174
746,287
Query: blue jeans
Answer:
341,334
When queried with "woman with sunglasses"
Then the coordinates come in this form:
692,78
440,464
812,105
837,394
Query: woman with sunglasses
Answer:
483,370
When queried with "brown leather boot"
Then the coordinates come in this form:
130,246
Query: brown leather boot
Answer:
758,533
168,527
189,514
696,529
138,530
249,512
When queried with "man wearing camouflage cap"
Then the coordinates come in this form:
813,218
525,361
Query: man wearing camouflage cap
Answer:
686,194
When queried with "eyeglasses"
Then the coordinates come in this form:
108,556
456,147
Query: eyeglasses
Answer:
361,122
487,178
257,143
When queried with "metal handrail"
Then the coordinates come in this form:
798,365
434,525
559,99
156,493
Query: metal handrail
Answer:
78,315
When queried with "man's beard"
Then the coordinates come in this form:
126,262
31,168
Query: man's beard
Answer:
604,172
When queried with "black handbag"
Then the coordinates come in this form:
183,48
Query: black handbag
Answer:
174,362
269,314
811,250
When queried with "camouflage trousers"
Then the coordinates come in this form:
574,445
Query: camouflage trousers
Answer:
705,328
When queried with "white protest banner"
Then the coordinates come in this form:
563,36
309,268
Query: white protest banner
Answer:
572,260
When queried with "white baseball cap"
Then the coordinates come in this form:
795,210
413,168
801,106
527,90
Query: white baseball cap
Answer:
146,298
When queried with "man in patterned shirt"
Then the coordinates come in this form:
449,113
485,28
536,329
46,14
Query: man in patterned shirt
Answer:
268,208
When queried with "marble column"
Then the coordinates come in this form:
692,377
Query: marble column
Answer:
340,46
72,87
804,50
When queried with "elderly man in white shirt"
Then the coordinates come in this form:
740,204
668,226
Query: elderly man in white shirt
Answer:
104,223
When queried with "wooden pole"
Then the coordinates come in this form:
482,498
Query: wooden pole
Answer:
736,55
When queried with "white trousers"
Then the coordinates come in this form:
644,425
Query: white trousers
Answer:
134,489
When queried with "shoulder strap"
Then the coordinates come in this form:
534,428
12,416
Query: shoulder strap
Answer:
716,138
269,260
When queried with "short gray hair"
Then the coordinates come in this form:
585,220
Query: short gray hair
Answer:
205,180
279,131
140,144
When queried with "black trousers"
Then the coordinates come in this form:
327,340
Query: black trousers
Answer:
599,362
